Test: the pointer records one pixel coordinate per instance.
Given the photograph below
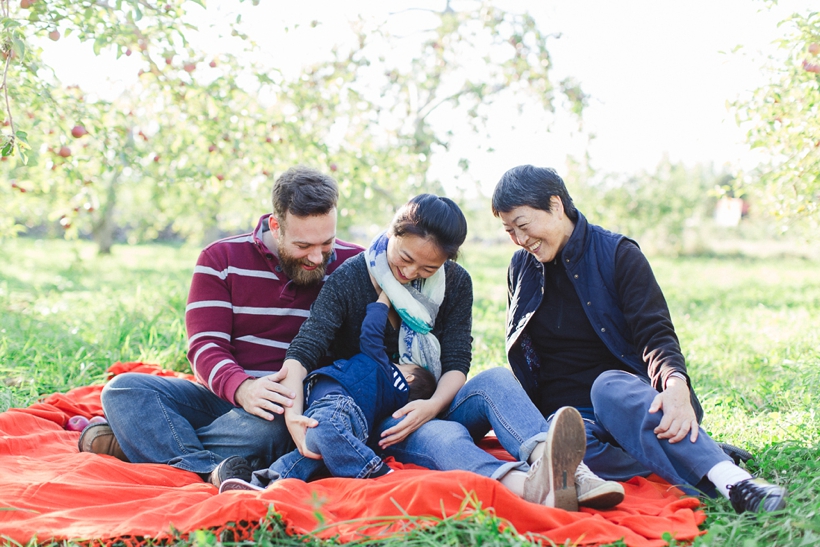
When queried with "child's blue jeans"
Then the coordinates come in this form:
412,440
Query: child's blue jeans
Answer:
340,438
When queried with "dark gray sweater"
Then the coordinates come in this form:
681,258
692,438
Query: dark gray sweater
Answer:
337,314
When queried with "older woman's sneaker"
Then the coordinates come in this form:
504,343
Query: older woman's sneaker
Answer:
551,479
595,492
757,495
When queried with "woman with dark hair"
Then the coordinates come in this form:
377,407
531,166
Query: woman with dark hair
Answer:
588,327
429,323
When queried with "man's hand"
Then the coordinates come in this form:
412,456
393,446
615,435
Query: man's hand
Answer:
679,418
298,426
416,413
266,396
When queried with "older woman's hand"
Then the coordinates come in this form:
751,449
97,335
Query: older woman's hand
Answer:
415,414
679,418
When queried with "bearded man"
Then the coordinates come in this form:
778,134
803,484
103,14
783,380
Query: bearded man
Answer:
249,296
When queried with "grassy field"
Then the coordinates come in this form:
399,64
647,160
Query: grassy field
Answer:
750,330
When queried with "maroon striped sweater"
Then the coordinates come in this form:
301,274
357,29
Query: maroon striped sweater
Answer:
243,311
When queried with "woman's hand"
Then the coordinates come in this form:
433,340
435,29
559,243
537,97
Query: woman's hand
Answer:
415,414
679,418
297,427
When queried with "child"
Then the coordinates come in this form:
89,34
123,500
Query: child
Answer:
348,398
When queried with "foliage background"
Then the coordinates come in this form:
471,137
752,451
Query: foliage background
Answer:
190,152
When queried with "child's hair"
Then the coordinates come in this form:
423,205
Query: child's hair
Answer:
423,385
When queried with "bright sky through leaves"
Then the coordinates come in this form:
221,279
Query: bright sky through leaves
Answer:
659,74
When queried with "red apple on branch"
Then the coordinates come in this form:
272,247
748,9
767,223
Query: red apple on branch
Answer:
78,131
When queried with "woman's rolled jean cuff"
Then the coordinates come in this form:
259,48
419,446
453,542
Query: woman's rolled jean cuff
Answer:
506,467
529,445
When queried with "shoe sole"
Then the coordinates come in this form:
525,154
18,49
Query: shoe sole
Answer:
231,485
566,444
606,496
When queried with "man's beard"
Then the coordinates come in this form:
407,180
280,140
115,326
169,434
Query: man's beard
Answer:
293,268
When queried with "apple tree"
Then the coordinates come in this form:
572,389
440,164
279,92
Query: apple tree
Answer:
191,148
71,157
783,118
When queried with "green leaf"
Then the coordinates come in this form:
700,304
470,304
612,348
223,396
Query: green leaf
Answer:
98,44
7,149
18,47
23,156
10,23
137,14
22,135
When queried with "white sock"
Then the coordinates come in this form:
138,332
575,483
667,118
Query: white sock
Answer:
724,474
537,452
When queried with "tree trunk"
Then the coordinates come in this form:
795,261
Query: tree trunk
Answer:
103,230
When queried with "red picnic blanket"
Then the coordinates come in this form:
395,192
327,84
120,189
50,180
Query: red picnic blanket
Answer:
50,491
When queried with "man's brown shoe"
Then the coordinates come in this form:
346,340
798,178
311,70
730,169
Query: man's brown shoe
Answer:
99,439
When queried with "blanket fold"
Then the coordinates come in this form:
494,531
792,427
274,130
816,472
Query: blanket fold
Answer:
49,490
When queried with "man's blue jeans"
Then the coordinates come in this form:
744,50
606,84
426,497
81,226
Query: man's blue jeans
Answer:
621,442
183,424
340,438
493,399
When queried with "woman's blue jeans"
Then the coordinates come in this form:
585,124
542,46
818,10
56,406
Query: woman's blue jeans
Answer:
493,399
181,423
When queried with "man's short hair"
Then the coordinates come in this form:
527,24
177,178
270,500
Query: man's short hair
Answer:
423,385
531,186
304,192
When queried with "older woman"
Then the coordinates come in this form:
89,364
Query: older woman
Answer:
588,327
430,323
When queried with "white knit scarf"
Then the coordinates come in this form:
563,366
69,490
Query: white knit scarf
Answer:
417,304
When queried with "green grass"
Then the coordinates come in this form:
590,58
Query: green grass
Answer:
750,330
